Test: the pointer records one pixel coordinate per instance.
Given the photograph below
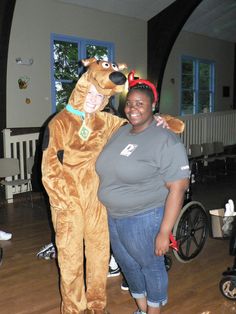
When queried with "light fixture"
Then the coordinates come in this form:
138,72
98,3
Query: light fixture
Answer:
24,61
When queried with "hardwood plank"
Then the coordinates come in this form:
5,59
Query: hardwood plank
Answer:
30,286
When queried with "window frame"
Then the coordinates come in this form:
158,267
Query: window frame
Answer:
195,89
82,43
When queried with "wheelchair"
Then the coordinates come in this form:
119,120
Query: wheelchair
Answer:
190,230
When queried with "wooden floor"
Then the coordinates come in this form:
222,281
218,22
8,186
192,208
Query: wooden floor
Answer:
30,286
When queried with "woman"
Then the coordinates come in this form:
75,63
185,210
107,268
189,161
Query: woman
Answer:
144,174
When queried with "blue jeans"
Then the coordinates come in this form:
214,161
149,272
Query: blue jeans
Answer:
133,242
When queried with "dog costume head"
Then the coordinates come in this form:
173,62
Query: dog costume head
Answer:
105,76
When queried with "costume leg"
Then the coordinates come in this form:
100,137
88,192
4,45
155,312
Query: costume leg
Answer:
97,250
69,240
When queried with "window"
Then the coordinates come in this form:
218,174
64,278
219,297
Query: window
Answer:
197,88
66,52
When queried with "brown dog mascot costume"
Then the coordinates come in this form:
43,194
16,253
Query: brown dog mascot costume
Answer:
72,142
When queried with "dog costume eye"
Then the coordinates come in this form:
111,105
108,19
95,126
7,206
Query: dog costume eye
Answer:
105,65
115,67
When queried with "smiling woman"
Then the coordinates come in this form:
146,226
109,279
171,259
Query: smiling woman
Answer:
143,173
139,107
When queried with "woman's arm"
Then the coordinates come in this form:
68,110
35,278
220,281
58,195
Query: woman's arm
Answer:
173,207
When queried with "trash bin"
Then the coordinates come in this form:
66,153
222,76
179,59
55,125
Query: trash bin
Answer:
221,226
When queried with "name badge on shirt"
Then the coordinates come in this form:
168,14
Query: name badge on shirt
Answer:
128,150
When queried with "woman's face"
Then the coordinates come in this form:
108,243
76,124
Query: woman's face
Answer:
93,100
138,109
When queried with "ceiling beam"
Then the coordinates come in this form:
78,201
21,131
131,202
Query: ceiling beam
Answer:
163,30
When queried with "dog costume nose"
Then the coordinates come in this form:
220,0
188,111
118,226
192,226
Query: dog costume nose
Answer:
117,78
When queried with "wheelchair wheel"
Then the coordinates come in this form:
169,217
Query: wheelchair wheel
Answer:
191,231
228,288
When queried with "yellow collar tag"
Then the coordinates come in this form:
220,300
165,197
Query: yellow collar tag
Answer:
84,132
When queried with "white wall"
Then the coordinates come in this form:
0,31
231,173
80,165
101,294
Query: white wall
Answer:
221,52
33,22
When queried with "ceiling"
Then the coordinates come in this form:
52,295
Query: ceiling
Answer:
213,18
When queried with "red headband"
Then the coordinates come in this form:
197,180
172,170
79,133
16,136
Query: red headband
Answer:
133,82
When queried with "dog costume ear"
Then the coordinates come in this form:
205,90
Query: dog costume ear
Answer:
122,66
87,62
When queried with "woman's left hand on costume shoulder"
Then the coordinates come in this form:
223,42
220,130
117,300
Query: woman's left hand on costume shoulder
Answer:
174,124
161,121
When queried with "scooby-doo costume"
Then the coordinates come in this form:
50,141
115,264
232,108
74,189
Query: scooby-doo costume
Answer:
72,144
75,140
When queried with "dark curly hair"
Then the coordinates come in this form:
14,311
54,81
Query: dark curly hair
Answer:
143,88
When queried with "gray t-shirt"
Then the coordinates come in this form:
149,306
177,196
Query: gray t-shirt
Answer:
133,169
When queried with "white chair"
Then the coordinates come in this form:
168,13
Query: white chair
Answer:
210,160
195,151
9,170
220,156
195,161
208,152
228,154
29,164
219,149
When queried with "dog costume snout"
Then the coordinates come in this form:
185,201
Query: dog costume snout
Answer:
117,78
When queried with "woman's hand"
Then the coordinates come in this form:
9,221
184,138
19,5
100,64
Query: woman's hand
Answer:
161,121
162,243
